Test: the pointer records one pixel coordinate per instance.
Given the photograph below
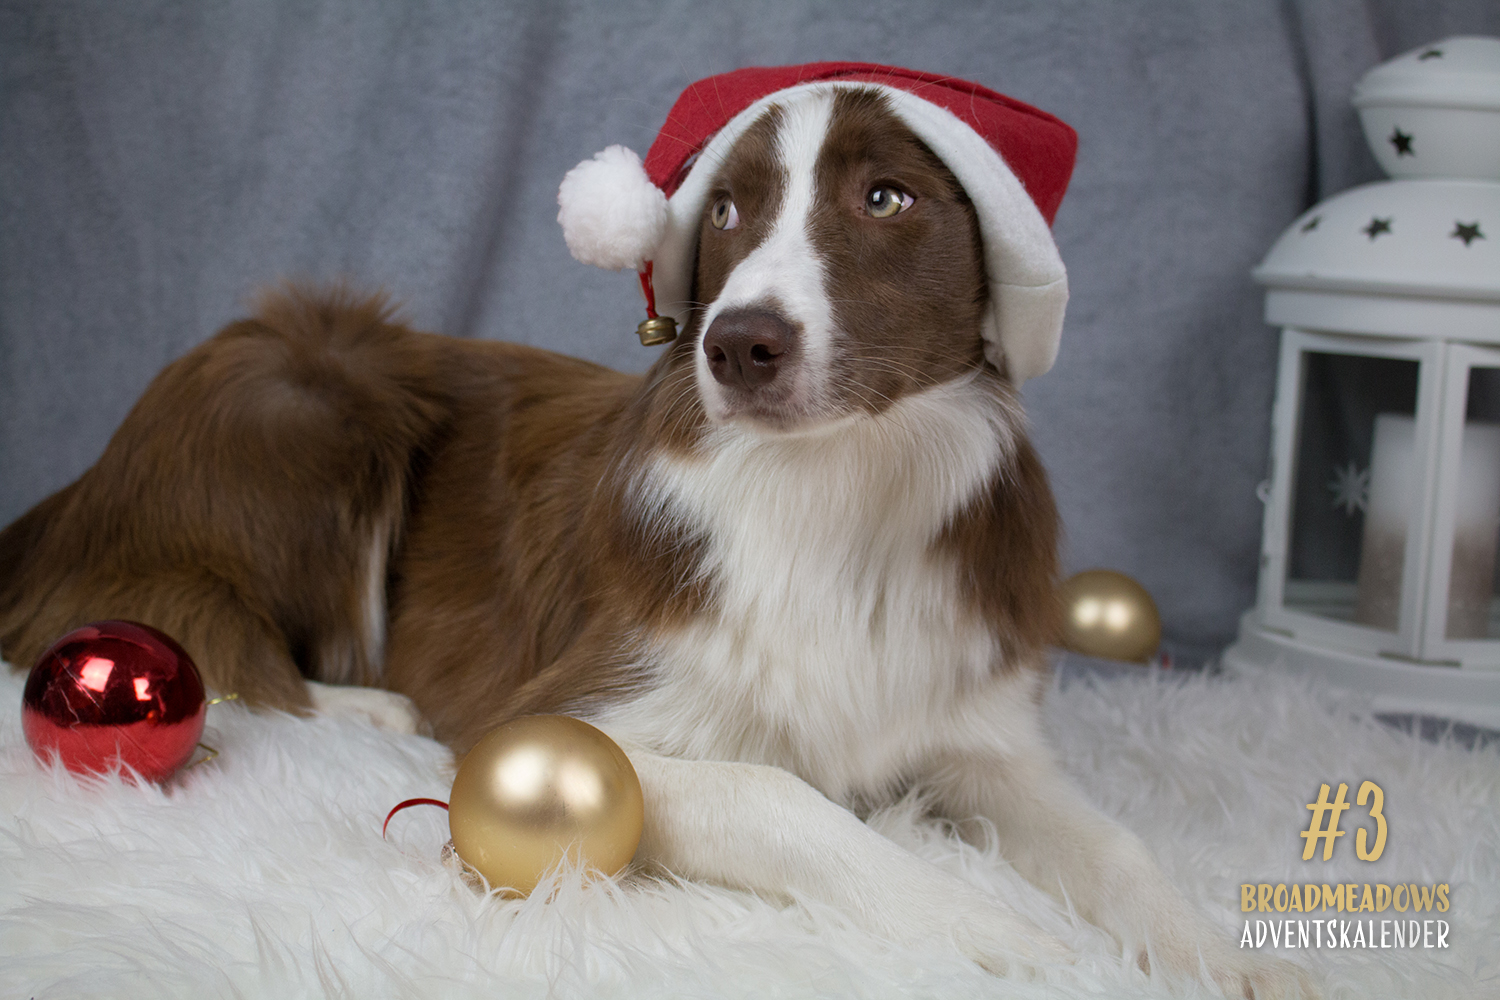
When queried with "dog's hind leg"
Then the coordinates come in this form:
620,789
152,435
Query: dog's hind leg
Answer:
385,709
236,649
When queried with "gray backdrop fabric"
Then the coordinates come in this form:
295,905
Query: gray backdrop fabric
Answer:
159,161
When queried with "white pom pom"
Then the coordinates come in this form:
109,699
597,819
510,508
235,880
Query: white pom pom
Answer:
611,214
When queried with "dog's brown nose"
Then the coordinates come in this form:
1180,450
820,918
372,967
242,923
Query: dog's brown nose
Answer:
745,347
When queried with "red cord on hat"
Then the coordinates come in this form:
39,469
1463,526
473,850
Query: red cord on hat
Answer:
648,291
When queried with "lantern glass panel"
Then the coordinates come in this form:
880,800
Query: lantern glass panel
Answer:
1473,612
1354,488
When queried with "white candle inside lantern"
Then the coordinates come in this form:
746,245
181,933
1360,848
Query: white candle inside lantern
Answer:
1393,475
1476,525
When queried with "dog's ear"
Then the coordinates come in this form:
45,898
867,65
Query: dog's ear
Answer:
999,364
1006,547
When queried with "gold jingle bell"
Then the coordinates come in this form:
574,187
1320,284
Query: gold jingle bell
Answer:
657,330
540,788
1109,615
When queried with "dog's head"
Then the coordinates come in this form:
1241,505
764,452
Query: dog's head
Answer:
839,268
832,237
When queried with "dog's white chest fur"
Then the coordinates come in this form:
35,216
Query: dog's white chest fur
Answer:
837,644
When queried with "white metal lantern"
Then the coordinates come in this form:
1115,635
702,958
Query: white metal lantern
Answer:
1379,567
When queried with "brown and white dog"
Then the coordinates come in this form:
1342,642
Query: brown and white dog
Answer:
803,565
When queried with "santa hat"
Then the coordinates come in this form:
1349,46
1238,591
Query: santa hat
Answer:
1012,160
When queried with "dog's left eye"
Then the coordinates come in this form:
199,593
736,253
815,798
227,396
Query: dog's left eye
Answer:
724,214
884,202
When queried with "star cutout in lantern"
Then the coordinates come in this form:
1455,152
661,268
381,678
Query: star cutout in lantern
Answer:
1350,488
1376,227
1402,141
1430,54
1467,232
1311,224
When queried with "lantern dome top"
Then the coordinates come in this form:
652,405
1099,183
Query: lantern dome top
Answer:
1459,72
1435,111
1429,238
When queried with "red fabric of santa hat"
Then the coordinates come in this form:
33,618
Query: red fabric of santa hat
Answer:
1013,161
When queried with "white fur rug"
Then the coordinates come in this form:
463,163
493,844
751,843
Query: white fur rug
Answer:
263,874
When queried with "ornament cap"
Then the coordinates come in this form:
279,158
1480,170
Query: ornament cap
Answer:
657,330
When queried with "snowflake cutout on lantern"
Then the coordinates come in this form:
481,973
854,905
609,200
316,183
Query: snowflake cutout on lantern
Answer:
1350,487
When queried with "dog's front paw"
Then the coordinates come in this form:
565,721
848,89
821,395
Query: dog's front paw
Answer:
986,929
1007,944
386,709
1269,979
1247,976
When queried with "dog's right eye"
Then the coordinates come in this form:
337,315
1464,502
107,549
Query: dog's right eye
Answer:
885,201
724,214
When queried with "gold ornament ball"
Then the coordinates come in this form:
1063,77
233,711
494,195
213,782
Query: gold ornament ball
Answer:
1109,615
539,788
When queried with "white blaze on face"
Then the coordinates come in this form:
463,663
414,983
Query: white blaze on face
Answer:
784,274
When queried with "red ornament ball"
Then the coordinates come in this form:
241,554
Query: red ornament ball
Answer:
115,693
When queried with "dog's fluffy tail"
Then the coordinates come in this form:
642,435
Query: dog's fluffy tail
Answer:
248,504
